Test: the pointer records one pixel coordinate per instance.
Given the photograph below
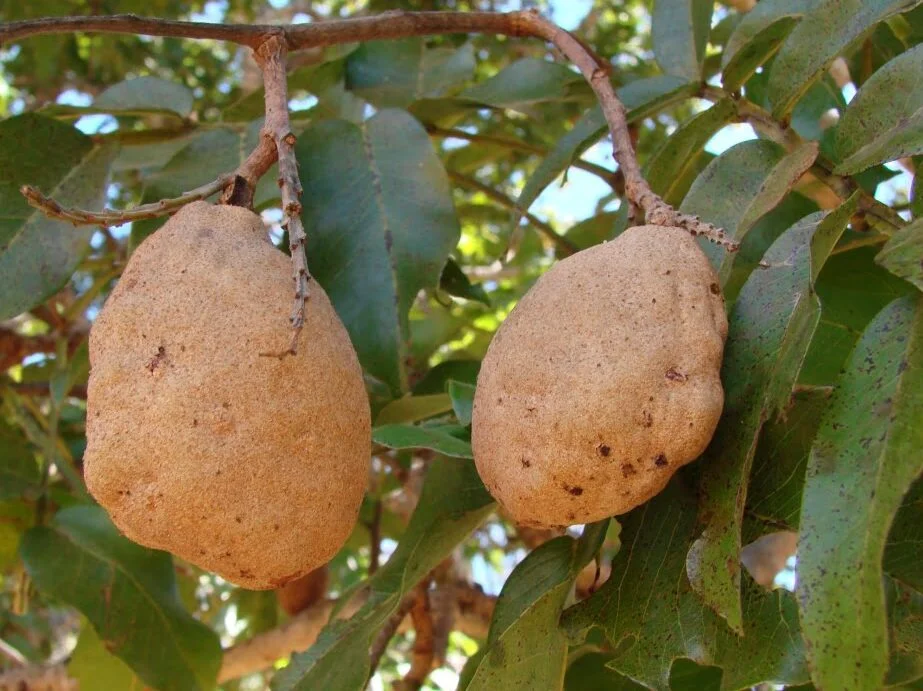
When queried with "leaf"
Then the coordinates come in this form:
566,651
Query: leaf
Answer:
901,254
525,648
394,74
757,36
852,290
436,380
145,94
38,254
679,30
777,478
454,281
770,329
523,84
902,551
462,395
452,504
667,168
740,186
96,669
129,595
380,222
412,437
19,472
642,98
590,673
884,121
824,32
905,634
600,228
414,408
864,459
652,617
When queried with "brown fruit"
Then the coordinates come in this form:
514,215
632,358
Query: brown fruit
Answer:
296,596
602,381
249,466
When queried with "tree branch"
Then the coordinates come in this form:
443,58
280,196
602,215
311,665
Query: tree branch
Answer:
111,217
399,24
271,56
421,662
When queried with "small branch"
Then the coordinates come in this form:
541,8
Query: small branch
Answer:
596,72
388,630
271,56
613,178
562,243
421,662
375,538
108,217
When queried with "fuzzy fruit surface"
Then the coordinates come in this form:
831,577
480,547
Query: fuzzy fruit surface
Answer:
603,380
249,466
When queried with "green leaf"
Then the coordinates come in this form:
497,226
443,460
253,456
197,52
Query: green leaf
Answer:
590,673
770,329
452,504
865,457
667,169
380,222
852,290
412,437
742,185
525,648
145,94
642,98
757,36
394,74
454,281
826,30
600,228
902,551
884,121
652,617
462,395
414,408
436,380
901,254
679,30
524,84
905,634
38,254
96,669
19,472
129,595
777,478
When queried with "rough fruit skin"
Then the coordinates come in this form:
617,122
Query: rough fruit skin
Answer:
249,466
602,381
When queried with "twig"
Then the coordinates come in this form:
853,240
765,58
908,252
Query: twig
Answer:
613,178
421,662
388,631
375,537
564,245
109,217
400,25
271,57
